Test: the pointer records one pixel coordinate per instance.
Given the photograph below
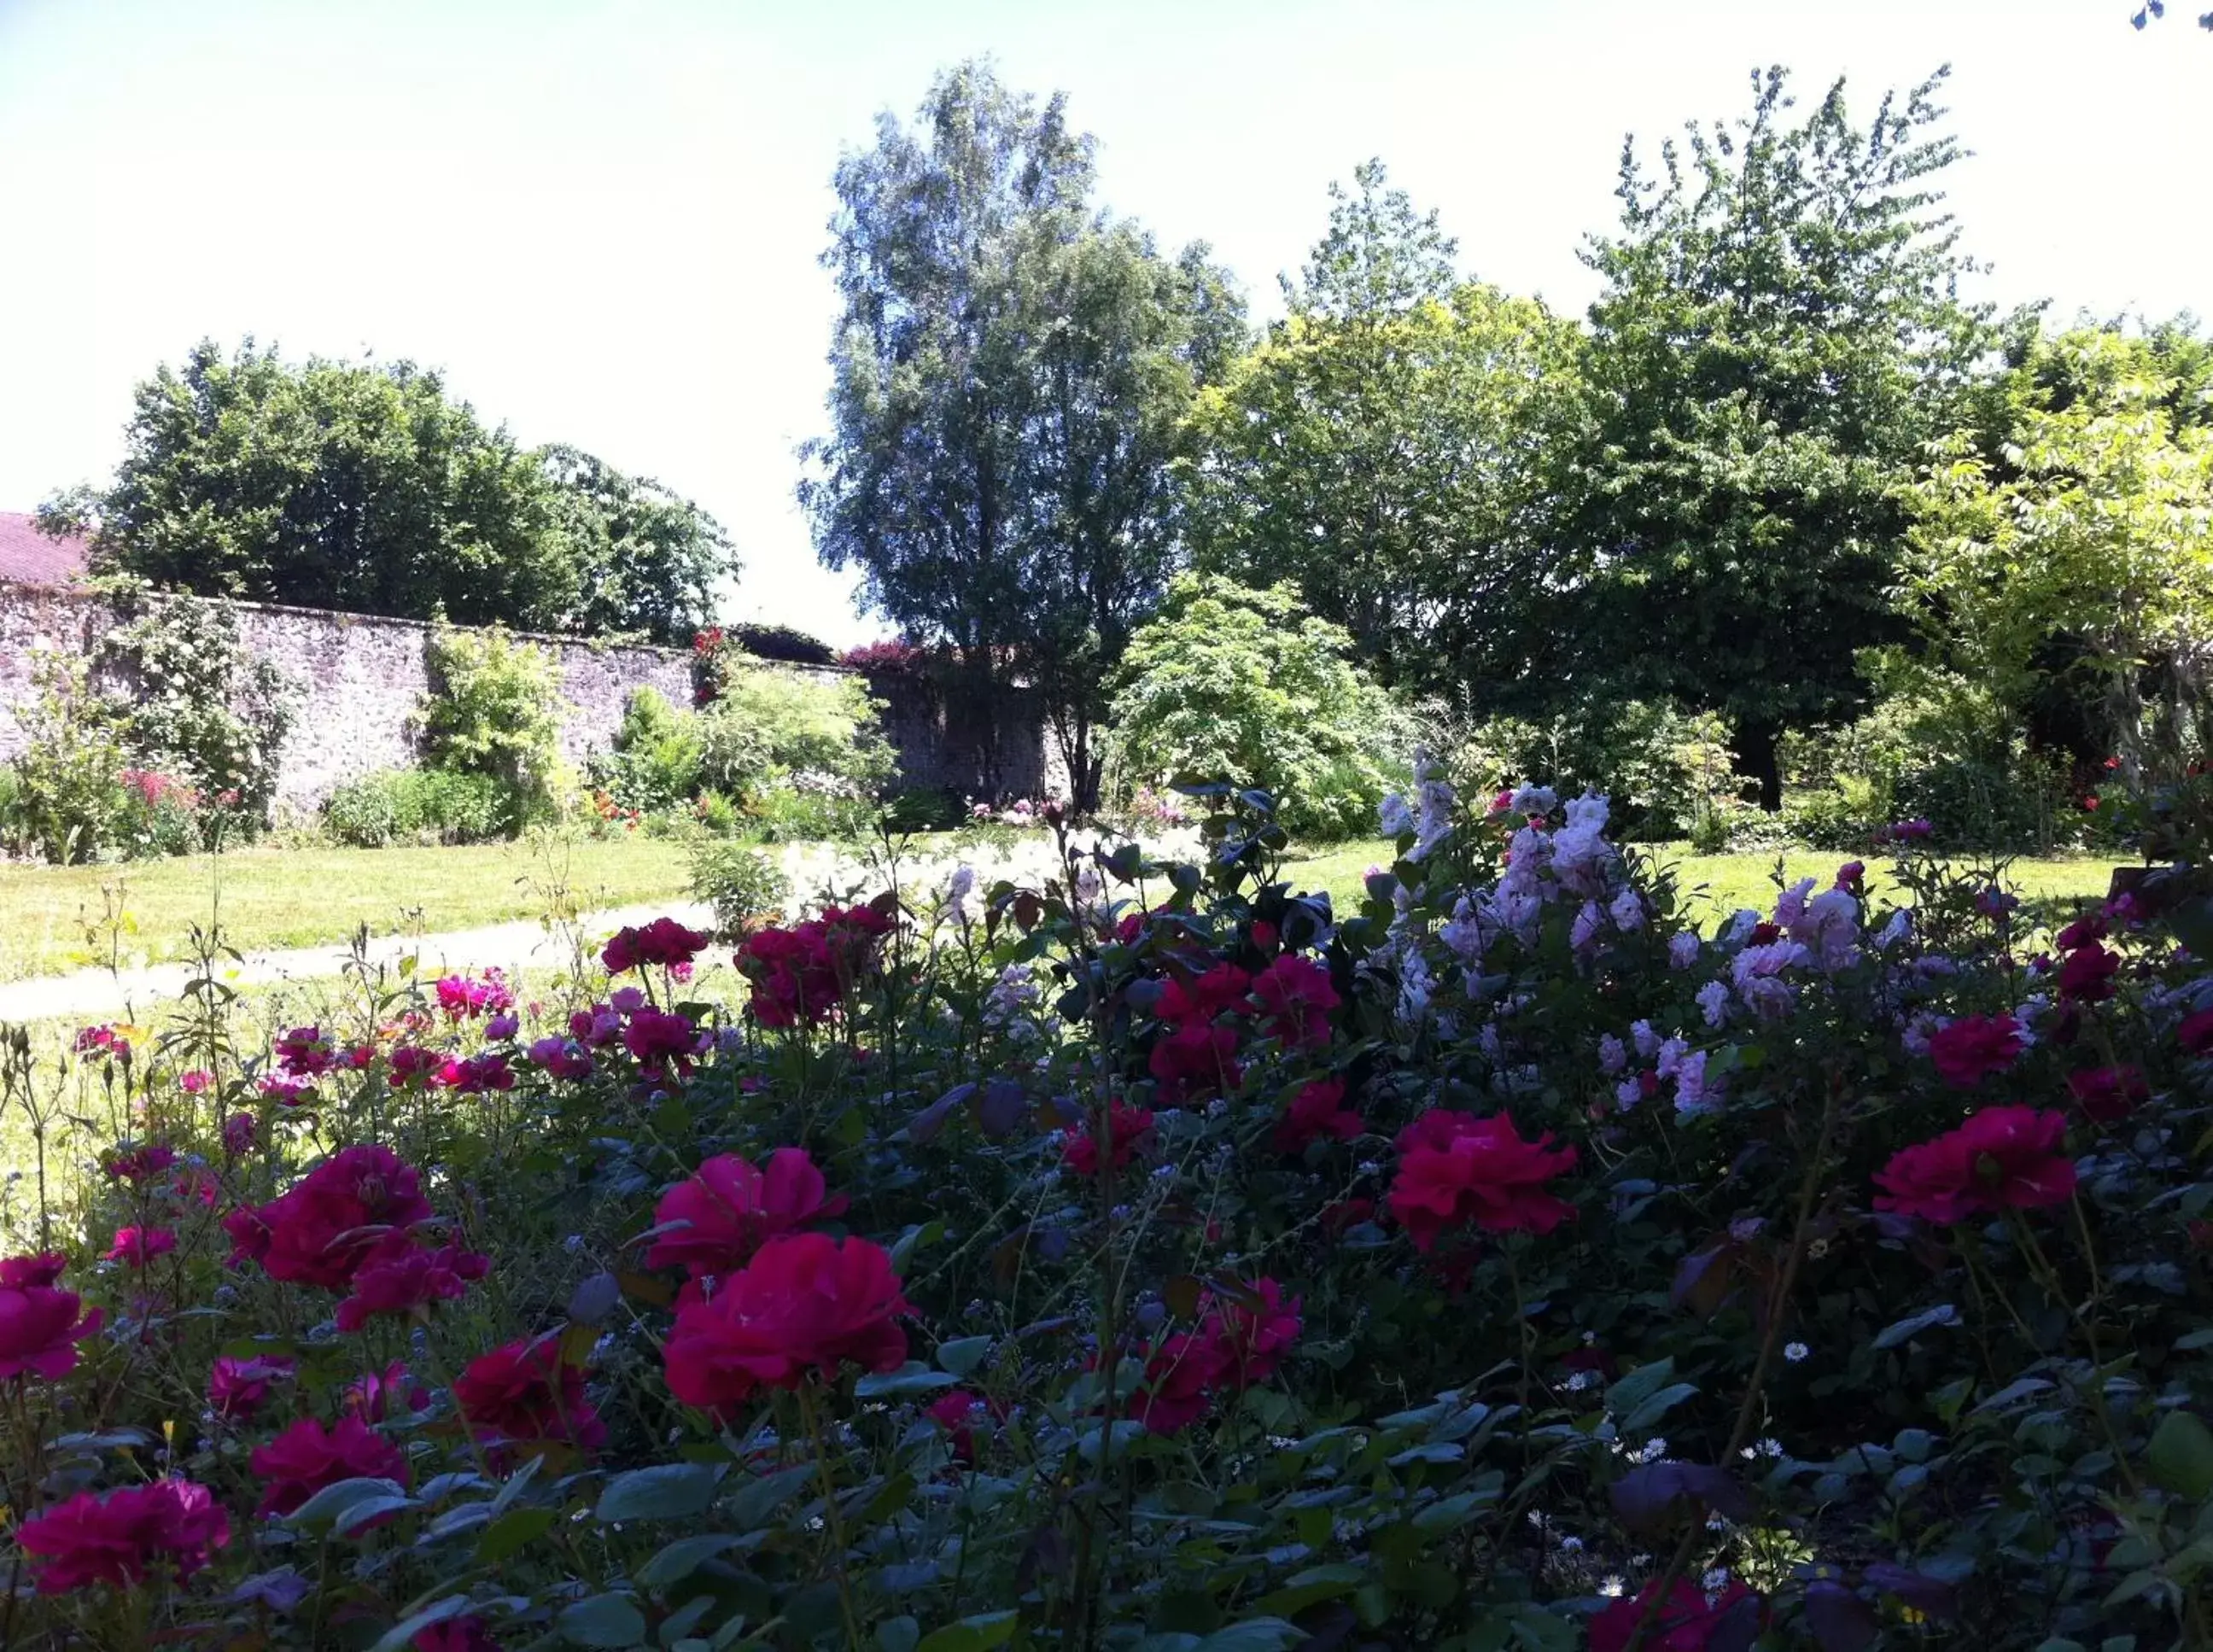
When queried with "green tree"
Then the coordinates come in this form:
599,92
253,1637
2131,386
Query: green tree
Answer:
2084,542
1010,375
1381,448
362,486
1229,683
646,559
1778,337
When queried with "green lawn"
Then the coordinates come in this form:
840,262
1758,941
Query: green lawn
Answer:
1719,884
302,897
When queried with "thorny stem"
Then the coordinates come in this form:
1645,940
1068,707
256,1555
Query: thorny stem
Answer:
1808,1196
831,1516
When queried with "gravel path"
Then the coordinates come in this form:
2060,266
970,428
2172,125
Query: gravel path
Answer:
524,944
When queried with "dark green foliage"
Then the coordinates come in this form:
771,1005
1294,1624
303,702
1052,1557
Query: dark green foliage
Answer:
1010,372
409,806
645,558
494,710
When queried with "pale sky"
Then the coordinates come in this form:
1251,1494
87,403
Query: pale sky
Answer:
602,221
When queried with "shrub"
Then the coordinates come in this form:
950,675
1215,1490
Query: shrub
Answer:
402,806
768,728
655,760
1149,1255
1230,683
494,710
925,809
68,788
740,883
1666,772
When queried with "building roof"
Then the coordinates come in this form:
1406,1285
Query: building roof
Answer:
29,557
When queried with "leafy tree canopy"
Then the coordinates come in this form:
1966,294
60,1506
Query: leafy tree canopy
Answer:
1011,372
363,487
1779,335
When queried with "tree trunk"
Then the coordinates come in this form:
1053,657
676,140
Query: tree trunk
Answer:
1757,756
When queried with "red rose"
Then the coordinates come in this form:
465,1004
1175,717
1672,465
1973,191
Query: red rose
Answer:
320,1233
663,942
1973,1047
1181,1374
137,1246
400,1276
40,1328
661,1041
727,1210
958,1411
2088,974
526,1393
249,1235
1686,1622
115,1538
2194,1035
1254,1331
2108,1092
466,1633
1264,936
1296,998
805,1302
1195,1059
1124,1126
236,1387
22,1272
1455,1170
2001,1159
1315,1112
307,1457
1198,1003
373,1393
304,1052
2090,927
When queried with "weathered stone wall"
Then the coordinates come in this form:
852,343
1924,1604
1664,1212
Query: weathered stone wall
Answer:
359,679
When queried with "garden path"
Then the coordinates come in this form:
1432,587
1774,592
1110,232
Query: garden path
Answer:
525,944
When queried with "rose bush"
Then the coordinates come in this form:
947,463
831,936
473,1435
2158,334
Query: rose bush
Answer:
1155,1258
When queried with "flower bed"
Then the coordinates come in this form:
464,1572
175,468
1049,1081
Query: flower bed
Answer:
1158,1259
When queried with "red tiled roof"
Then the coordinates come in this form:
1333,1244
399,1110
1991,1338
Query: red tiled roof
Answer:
29,557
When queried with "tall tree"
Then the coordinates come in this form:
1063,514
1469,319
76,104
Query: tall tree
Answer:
1010,375
364,487
646,559
1779,334
1380,447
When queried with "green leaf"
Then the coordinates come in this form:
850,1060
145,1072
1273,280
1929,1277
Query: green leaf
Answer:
912,1378
1628,1392
680,1559
963,1355
2181,1455
1313,1586
1253,1635
1896,1332
757,1499
602,1620
898,1635
515,1530
663,1491
985,1630
1657,1405
335,1499
357,1516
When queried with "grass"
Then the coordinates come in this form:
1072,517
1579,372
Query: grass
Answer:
56,918
1719,884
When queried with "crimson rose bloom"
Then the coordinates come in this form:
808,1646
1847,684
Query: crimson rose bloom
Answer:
2108,1093
1973,1047
2194,1035
1296,998
805,1302
400,1277
1315,1112
372,1394
463,1634
1455,1170
2001,1159
236,1387
307,1457
2088,974
1125,1125
661,1041
1181,1374
321,1231
19,1272
115,1538
1253,1334
1686,1623
1221,989
137,1246
728,1209
40,1328
1195,1059
663,942
525,1392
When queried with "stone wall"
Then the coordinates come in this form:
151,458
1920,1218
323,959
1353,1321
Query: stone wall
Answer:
360,678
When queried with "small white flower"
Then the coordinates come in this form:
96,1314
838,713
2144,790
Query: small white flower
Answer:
1613,1588
1794,1351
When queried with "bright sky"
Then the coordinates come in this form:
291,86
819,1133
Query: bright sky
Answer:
603,219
